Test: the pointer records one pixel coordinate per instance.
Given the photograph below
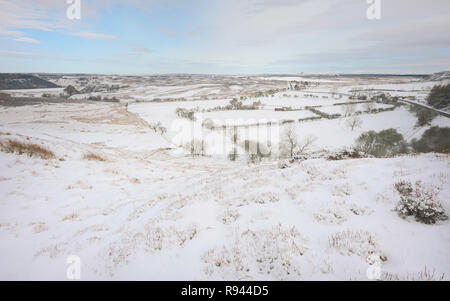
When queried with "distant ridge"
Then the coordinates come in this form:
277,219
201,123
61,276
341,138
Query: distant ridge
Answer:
15,81
444,75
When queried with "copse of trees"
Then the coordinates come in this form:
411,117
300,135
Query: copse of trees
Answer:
424,116
435,139
71,90
382,144
439,96
389,142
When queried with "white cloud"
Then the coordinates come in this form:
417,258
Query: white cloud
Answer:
27,40
91,35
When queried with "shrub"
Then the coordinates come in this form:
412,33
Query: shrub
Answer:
235,103
439,96
382,144
435,139
70,90
184,113
158,127
345,155
30,149
95,98
420,201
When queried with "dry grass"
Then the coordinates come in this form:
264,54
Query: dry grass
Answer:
30,149
274,254
135,181
425,275
93,157
356,242
71,217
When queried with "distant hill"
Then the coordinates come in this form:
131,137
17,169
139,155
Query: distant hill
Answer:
444,75
15,81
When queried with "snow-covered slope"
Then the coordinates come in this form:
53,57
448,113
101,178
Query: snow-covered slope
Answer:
146,217
439,76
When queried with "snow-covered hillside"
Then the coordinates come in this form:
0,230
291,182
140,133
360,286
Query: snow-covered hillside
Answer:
197,219
131,203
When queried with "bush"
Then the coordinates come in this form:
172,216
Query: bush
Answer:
382,144
70,90
158,127
439,96
30,149
345,155
95,98
419,201
184,113
435,139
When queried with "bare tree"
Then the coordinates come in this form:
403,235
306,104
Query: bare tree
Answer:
305,144
234,137
369,106
354,122
348,110
290,140
155,126
162,130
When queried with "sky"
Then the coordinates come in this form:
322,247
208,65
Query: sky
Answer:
225,36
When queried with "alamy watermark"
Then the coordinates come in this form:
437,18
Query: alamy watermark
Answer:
374,10
73,271
74,10
217,137
374,272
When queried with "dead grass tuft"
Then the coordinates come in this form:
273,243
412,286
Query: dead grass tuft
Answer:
357,242
135,181
425,275
71,217
93,157
30,149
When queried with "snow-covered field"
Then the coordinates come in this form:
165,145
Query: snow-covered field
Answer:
150,211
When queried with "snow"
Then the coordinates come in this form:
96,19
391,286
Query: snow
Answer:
152,212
